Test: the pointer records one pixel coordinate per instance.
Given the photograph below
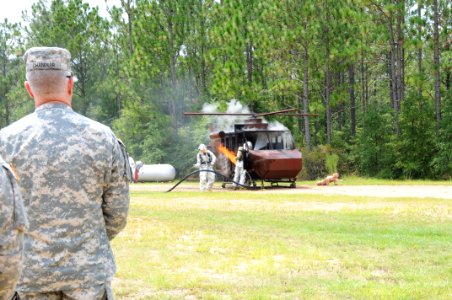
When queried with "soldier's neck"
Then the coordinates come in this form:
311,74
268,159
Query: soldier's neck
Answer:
39,102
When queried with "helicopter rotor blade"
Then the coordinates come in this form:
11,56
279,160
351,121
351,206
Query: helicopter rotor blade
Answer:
276,112
301,115
283,112
216,114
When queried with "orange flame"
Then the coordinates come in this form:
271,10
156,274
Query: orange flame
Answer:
226,152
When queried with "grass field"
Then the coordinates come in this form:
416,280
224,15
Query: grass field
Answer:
353,180
251,245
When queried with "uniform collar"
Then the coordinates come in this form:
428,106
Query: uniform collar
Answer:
52,105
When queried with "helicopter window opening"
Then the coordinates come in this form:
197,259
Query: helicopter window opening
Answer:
279,143
241,140
261,142
288,141
279,140
250,138
271,141
273,137
273,144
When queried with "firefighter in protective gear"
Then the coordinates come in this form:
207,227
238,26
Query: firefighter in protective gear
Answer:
240,171
205,160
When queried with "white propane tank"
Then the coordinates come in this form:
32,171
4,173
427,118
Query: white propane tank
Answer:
158,172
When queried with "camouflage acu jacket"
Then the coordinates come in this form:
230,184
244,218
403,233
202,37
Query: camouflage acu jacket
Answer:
73,181
13,223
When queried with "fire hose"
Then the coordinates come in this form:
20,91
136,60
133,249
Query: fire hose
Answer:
211,171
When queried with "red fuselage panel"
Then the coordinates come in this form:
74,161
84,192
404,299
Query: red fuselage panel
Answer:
275,164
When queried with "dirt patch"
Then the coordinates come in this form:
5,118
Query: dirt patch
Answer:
381,191
384,191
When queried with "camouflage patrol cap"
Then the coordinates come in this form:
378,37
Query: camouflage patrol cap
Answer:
47,58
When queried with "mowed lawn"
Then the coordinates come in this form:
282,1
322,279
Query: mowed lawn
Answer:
255,245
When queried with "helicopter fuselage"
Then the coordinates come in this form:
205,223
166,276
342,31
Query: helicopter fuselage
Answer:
272,156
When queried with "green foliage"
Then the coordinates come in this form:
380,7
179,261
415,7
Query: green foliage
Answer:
152,60
375,149
313,165
182,155
13,96
348,159
331,161
76,26
319,162
143,131
442,161
416,146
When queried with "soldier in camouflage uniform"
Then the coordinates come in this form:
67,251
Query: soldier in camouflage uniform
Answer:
74,180
12,226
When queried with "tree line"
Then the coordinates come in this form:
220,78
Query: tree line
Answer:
378,73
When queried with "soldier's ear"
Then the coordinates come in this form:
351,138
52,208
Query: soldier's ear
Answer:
28,88
70,86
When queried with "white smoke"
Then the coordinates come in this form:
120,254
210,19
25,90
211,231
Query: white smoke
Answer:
226,123
235,107
210,108
275,125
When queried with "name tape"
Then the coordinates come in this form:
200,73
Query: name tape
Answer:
41,65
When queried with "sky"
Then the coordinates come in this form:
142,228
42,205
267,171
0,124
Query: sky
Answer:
13,9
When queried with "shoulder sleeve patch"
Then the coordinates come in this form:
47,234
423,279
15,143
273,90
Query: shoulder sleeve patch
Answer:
127,168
